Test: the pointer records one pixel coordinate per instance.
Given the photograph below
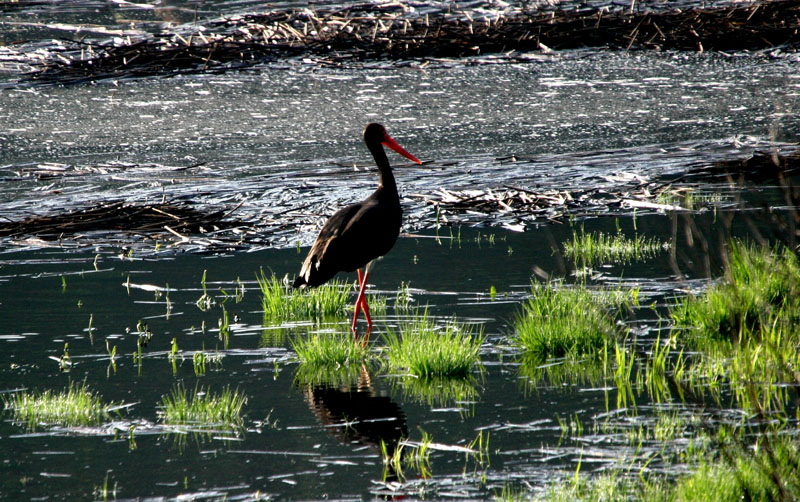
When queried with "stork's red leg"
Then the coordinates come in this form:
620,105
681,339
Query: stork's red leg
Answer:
361,302
357,306
364,304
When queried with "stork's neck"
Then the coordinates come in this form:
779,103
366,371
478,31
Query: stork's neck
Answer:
386,183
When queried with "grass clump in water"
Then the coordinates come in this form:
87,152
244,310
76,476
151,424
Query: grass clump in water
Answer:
331,359
331,300
281,302
765,473
571,323
180,407
599,247
428,351
756,370
742,334
759,284
75,406
330,350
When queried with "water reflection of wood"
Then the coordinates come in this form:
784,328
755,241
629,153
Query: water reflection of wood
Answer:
359,415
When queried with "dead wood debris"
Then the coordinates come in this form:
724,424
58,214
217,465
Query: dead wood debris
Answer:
513,205
164,219
505,200
369,32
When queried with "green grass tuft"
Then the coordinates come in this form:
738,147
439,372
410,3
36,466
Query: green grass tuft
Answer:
332,300
281,302
598,247
765,473
332,350
760,284
427,351
564,322
181,407
75,406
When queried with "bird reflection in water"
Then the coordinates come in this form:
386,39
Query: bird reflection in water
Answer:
358,415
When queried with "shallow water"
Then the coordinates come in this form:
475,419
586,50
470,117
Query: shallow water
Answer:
283,140
269,139
290,449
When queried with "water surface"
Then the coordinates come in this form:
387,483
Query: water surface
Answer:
284,142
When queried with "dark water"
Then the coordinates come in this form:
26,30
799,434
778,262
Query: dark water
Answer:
296,456
296,444
286,138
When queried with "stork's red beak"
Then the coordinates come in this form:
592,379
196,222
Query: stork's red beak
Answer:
388,141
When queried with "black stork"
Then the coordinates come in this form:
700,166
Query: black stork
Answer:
359,233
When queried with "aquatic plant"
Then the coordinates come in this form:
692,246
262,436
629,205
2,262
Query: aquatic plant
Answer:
64,362
205,301
416,454
742,334
409,455
755,370
426,350
566,322
202,358
281,302
238,292
330,350
598,247
180,407
403,301
199,363
75,406
377,304
106,492
759,283
766,472
224,324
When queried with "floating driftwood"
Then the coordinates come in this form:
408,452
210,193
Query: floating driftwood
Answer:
282,212
512,206
504,200
178,220
397,32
